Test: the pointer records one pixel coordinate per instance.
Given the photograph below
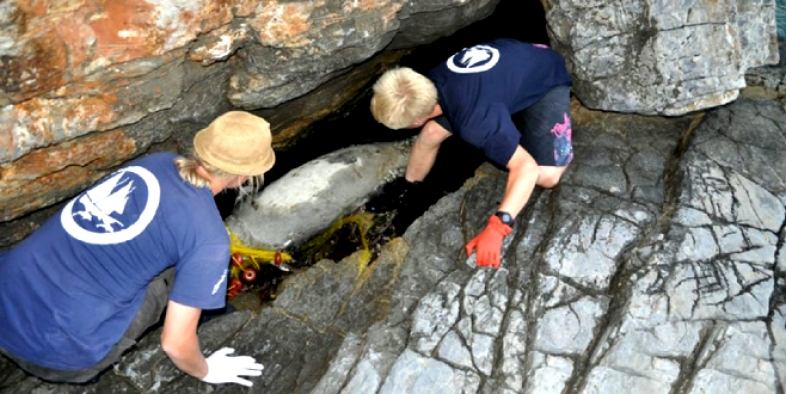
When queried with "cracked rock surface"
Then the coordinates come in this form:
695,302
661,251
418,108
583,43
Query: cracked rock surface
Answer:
657,266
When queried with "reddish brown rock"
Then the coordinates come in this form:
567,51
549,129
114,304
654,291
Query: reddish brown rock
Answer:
47,175
39,68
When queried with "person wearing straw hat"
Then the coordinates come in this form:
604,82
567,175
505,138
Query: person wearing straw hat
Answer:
81,290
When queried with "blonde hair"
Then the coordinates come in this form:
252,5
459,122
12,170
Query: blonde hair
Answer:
187,168
402,97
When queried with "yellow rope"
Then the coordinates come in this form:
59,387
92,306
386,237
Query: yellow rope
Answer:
256,257
364,222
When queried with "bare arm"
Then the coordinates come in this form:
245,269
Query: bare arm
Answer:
522,176
179,339
424,151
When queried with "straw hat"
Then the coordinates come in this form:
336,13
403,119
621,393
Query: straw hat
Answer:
236,142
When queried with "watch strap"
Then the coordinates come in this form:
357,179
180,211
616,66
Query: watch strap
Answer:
506,218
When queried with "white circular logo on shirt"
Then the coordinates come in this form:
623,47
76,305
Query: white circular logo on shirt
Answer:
474,59
102,216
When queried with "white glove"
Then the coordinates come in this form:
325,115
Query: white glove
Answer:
224,369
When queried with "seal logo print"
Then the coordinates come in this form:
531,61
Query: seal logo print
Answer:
99,216
474,59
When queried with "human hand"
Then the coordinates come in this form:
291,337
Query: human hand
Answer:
394,195
224,369
489,243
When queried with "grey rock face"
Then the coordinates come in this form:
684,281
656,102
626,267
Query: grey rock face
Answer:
662,57
605,289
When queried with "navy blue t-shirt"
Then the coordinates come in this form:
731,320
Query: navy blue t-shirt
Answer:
70,290
480,88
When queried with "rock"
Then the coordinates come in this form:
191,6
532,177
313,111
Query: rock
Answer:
648,56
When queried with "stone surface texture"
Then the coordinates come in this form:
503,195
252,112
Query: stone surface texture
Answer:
662,57
657,266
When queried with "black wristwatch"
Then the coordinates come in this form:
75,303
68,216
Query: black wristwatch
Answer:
506,218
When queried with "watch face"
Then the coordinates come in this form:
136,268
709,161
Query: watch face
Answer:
505,218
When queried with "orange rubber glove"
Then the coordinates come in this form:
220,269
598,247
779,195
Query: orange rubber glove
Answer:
489,243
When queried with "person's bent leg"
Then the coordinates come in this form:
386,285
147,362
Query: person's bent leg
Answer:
153,307
149,314
549,176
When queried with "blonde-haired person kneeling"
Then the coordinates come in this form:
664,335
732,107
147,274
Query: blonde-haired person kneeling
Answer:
510,99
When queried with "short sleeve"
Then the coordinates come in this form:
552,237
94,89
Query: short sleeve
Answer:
442,120
201,277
